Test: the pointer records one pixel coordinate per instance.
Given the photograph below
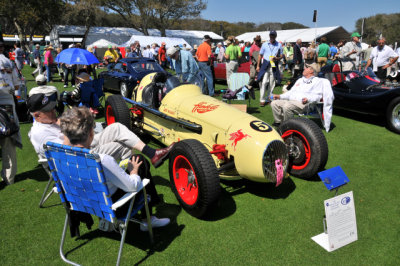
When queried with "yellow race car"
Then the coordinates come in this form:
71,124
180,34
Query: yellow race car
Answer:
215,140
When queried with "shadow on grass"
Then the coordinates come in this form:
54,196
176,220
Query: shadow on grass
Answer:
365,118
163,237
37,174
224,208
267,190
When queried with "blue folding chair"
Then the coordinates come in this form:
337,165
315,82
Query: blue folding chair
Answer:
79,177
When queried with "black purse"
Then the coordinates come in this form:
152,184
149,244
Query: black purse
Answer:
8,127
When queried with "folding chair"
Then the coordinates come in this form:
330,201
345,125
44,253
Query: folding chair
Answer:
237,81
80,179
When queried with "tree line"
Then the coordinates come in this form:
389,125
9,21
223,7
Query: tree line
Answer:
38,17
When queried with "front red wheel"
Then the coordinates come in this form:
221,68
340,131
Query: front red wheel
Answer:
307,146
299,149
110,118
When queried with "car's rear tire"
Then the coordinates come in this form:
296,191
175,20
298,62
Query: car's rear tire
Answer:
125,91
117,111
393,115
307,146
194,177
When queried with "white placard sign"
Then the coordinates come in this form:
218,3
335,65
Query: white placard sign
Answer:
340,221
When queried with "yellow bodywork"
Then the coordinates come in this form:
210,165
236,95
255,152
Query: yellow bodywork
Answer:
221,124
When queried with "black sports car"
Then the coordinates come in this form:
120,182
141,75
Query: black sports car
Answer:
127,73
362,92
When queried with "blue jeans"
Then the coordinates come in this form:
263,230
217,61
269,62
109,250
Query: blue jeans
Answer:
207,73
48,73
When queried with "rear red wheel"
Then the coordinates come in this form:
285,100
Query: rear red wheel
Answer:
307,147
194,177
117,111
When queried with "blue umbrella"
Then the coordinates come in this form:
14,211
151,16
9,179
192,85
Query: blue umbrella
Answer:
76,56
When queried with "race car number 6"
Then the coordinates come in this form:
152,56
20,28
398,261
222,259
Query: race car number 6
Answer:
260,126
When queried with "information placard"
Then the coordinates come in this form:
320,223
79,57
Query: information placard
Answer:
340,221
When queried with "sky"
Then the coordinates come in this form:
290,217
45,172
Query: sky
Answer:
330,13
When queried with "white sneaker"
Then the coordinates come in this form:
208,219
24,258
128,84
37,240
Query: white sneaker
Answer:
155,222
65,86
73,86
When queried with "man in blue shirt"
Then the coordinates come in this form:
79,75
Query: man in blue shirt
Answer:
268,71
333,50
185,65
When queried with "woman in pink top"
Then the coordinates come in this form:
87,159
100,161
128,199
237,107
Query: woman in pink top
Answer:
48,62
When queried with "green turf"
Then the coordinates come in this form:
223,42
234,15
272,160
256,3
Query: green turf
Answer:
254,224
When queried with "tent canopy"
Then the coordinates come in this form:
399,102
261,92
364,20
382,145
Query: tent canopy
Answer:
102,44
149,40
333,34
121,35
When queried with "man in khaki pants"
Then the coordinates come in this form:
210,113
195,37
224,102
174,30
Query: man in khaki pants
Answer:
308,89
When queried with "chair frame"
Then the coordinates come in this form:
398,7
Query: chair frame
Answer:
129,197
43,162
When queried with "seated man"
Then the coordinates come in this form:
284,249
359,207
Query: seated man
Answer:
306,90
115,140
77,125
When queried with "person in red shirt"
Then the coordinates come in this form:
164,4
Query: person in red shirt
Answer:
255,48
162,59
203,56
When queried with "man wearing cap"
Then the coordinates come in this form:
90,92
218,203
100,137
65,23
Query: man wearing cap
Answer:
382,57
184,64
350,53
268,72
162,59
203,55
36,59
232,56
8,144
115,140
306,90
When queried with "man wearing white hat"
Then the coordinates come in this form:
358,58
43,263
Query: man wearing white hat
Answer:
185,65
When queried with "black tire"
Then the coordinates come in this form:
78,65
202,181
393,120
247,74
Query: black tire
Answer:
393,115
201,195
117,111
307,147
125,90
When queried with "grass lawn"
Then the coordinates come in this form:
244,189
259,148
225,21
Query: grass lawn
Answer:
254,224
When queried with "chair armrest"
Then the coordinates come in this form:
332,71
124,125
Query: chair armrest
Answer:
128,196
42,160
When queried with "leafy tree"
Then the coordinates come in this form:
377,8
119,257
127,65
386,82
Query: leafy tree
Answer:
387,25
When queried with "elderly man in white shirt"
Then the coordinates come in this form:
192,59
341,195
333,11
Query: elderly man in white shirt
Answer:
308,89
382,57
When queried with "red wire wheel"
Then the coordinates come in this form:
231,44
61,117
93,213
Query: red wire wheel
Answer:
110,118
194,177
300,151
307,147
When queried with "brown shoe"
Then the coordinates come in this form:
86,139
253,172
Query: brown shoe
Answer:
262,104
160,155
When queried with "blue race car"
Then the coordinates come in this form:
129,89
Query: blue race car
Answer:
127,73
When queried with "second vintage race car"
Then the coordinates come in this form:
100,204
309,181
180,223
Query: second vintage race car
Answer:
215,140
127,73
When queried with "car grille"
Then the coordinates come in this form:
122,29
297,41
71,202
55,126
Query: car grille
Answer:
276,150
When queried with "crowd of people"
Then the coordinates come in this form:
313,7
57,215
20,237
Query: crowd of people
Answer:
269,59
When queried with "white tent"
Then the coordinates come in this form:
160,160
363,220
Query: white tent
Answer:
102,44
333,34
121,35
149,40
